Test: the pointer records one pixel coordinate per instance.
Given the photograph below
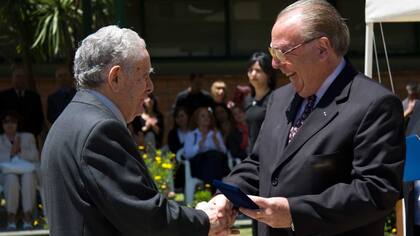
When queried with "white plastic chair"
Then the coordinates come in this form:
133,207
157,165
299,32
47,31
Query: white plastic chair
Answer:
190,181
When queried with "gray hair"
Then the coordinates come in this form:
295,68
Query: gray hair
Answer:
107,47
321,19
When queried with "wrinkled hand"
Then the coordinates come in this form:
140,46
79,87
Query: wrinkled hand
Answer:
220,219
274,211
225,209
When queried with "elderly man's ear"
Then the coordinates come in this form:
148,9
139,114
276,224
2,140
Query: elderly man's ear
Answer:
114,78
324,47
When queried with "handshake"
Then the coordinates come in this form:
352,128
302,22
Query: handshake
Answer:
273,211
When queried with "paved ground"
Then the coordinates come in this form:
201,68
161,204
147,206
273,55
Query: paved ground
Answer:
243,225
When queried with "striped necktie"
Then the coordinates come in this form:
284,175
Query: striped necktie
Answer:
310,105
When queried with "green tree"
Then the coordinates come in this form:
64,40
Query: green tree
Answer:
57,27
43,30
59,24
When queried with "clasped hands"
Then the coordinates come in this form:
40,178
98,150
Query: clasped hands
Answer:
274,212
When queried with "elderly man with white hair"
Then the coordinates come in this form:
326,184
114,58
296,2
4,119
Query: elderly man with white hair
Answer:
94,181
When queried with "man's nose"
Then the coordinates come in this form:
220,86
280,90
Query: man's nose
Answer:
277,64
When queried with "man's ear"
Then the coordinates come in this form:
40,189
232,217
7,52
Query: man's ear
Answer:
324,47
113,80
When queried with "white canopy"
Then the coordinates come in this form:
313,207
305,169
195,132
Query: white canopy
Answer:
392,10
386,11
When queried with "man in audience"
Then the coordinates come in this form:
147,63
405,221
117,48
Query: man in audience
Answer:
329,156
411,100
94,181
194,96
218,92
25,102
58,100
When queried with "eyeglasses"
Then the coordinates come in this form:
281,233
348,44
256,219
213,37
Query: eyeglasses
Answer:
281,56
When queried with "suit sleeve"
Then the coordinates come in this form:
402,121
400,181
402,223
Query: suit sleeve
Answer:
118,182
378,156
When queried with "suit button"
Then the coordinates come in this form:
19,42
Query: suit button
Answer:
275,181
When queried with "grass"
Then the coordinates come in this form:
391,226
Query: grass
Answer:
245,231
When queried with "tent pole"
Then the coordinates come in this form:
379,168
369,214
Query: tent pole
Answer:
368,49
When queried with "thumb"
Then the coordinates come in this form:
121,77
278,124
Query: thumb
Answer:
260,201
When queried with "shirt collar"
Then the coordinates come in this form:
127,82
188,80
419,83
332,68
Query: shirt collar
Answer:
108,104
321,91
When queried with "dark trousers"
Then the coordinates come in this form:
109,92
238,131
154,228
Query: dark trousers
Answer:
209,166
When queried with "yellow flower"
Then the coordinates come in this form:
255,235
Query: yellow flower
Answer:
140,147
145,156
158,152
207,185
36,222
394,230
172,156
158,159
167,166
163,186
158,177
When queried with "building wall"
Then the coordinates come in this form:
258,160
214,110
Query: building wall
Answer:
167,87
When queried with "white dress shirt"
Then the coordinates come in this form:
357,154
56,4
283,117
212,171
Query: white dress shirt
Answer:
321,91
192,139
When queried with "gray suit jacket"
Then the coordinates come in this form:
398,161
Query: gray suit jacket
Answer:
94,182
342,171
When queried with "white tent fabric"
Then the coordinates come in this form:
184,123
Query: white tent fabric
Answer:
392,11
386,11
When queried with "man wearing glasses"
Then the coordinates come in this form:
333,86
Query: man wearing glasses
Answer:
329,156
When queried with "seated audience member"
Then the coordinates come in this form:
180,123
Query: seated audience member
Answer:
194,96
58,100
232,136
204,147
239,95
176,136
152,123
176,139
18,156
25,102
240,120
218,92
411,100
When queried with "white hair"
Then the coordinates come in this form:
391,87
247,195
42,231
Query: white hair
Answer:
107,47
320,19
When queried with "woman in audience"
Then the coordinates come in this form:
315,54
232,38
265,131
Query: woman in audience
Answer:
176,136
204,147
240,121
18,147
262,78
151,122
176,139
231,134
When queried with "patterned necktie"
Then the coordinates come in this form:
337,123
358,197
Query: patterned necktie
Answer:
310,105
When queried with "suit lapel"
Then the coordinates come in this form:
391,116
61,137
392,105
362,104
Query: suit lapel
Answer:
326,110
318,119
